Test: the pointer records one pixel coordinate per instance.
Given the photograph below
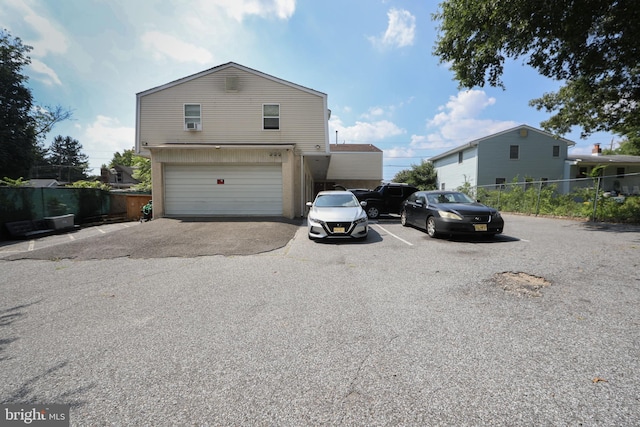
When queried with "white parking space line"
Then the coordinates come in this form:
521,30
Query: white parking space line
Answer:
71,237
101,230
32,244
391,234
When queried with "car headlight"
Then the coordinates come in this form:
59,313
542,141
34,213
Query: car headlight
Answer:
314,219
450,215
360,220
497,215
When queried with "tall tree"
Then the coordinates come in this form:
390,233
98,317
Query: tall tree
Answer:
66,155
127,158
590,45
422,176
18,140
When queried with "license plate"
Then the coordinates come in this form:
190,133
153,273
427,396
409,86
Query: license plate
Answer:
480,227
338,229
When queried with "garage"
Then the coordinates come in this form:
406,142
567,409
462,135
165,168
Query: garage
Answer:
211,190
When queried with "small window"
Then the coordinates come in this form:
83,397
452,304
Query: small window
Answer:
395,191
500,183
543,182
460,157
556,151
620,172
514,152
271,116
192,119
442,186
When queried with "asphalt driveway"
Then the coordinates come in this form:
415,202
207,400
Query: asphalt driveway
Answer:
162,238
537,327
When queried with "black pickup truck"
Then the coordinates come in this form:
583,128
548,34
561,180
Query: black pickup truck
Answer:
386,198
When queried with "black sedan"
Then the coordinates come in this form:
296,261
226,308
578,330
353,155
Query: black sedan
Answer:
450,212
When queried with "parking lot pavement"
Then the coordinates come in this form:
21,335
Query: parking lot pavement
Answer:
537,327
160,238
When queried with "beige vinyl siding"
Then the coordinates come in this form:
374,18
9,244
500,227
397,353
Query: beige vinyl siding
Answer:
350,166
233,117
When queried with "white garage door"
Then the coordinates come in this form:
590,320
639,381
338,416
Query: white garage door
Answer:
223,190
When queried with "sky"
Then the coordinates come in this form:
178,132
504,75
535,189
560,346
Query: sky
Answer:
373,59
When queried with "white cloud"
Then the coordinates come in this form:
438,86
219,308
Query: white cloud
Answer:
44,73
104,137
399,152
49,40
458,122
400,31
164,45
363,132
239,9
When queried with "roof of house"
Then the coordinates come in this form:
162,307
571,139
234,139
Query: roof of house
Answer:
354,148
475,142
222,67
617,158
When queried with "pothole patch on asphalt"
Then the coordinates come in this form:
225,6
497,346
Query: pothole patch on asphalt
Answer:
522,284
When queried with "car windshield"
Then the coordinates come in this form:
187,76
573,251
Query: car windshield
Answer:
336,201
450,198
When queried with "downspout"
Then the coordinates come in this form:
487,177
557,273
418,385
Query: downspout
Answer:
302,186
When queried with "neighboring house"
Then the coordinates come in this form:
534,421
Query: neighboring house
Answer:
523,152
621,173
118,176
233,141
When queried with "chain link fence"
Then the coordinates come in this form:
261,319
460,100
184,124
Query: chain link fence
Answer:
599,198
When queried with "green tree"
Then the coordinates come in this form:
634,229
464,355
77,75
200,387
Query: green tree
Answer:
142,173
17,127
66,155
422,176
124,159
591,45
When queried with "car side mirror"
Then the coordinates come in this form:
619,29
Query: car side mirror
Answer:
309,204
363,203
420,202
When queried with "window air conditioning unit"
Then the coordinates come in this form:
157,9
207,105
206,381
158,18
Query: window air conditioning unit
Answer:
193,126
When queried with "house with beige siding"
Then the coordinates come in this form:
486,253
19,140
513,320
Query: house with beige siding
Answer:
233,141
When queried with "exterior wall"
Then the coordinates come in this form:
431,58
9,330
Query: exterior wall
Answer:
535,161
355,166
628,184
232,117
453,174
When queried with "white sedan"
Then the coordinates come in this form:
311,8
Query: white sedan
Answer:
337,214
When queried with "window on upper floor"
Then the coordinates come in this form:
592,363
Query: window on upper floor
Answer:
514,152
460,157
192,117
556,151
271,116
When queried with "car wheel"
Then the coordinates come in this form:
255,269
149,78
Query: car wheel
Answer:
431,227
403,218
373,212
